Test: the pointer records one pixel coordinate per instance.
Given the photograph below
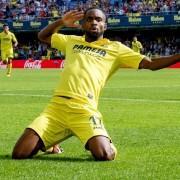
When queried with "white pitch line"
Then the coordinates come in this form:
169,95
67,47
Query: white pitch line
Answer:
147,86
7,90
123,87
103,98
142,100
25,95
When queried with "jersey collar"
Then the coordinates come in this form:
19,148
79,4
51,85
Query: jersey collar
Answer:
6,33
101,42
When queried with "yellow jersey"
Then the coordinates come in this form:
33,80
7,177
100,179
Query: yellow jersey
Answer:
6,40
136,46
89,65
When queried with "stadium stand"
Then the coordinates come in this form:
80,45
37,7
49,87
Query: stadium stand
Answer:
28,10
31,9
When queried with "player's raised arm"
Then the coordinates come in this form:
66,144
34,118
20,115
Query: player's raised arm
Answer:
68,20
159,63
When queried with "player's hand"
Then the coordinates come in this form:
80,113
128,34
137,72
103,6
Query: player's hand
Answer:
15,45
70,18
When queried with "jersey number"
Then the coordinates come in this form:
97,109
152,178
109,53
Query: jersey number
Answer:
96,122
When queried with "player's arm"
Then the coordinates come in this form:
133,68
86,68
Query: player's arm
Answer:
68,20
14,40
159,63
15,43
140,45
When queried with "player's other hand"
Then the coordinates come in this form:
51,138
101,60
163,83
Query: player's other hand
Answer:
71,18
15,44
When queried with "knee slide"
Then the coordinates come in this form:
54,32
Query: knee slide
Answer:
105,155
27,146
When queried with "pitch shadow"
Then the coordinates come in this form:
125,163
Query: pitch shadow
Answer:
64,159
5,157
51,158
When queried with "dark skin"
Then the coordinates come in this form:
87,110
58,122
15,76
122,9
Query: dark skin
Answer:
94,25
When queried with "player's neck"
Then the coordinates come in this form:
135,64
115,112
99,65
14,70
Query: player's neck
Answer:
6,32
92,38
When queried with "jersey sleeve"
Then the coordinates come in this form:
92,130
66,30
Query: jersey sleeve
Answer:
128,58
59,41
139,45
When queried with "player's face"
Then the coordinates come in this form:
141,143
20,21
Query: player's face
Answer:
94,24
6,28
135,38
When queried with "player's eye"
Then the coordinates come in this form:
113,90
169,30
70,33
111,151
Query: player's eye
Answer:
98,19
89,19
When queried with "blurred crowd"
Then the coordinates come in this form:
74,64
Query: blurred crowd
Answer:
32,9
161,46
36,50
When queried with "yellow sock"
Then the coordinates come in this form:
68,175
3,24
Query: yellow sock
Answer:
9,68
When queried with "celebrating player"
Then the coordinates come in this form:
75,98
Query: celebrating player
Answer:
73,109
7,40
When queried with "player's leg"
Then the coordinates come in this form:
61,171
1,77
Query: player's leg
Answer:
42,134
4,57
9,56
101,148
9,67
47,131
5,61
27,145
90,130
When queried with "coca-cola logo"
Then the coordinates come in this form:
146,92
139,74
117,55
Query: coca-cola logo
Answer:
36,64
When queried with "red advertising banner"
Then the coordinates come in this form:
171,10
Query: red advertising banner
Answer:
35,64
38,64
177,65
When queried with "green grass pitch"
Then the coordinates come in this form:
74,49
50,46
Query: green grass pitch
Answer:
141,111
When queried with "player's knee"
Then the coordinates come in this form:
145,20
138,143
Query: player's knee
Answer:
104,155
101,148
19,154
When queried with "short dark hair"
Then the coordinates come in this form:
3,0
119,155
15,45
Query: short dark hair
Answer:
4,25
91,8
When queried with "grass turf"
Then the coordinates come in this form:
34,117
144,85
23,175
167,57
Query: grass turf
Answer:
141,113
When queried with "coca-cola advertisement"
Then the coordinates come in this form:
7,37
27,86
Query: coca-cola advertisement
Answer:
36,64
30,64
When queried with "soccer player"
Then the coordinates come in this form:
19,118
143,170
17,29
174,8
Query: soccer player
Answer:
7,40
136,45
73,109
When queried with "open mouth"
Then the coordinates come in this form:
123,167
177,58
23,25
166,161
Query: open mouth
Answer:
94,30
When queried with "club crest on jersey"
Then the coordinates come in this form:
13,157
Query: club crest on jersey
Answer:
89,50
